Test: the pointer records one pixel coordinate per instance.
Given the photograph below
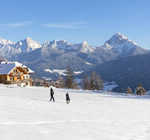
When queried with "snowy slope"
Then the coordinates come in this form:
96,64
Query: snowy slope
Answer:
7,48
62,72
26,113
6,42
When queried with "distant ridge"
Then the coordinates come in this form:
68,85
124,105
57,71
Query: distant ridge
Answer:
58,54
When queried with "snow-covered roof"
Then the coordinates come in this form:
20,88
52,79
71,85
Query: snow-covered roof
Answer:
7,67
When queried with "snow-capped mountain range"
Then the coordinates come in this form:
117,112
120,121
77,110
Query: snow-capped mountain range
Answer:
59,54
117,43
9,48
64,45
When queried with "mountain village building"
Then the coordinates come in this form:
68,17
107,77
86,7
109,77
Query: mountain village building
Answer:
15,73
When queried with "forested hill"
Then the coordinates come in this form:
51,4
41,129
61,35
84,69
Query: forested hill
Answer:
128,71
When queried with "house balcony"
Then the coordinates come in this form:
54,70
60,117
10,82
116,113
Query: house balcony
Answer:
19,81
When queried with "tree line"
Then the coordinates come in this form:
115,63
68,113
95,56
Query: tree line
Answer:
88,82
92,82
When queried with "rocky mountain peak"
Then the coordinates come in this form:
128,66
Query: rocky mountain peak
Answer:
121,44
58,44
85,48
29,39
5,42
119,36
84,43
27,45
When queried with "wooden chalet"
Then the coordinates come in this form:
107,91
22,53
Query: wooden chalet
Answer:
15,73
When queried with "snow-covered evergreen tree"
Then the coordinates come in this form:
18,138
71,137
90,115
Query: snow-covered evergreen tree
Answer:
128,90
140,90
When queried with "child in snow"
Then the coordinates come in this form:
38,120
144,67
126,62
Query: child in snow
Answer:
67,98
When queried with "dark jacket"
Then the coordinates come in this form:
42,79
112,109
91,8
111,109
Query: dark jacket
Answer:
51,92
67,97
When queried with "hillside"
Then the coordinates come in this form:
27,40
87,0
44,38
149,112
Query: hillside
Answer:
128,71
26,113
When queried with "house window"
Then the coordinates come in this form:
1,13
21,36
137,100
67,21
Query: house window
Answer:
25,77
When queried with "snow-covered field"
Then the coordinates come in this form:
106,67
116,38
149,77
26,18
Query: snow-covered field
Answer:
27,114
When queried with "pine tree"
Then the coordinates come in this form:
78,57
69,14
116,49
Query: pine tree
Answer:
140,90
128,90
96,82
61,82
69,79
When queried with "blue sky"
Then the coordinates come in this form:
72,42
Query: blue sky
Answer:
75,20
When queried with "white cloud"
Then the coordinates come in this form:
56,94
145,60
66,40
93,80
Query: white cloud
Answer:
70,25
15,25
19,24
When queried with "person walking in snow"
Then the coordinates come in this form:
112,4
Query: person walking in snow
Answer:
67,98
52,94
